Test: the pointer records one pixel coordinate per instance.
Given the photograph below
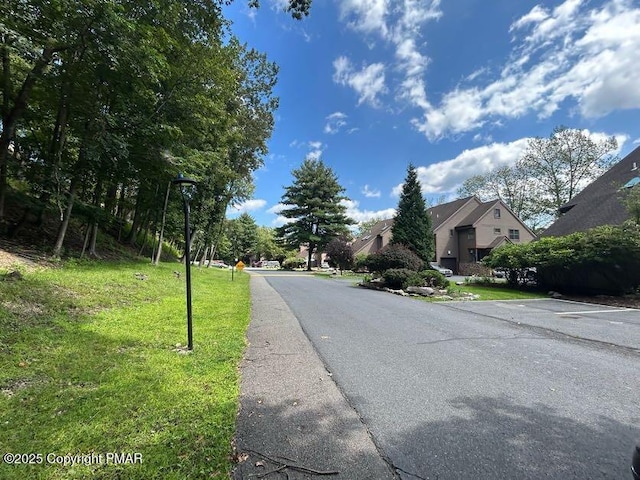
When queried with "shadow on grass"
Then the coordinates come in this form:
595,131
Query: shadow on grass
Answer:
79,384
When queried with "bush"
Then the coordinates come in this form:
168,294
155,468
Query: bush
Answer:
396,257
293,262
602,260
433,278
398,278
360,262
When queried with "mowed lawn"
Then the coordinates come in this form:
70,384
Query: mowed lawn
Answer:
88,368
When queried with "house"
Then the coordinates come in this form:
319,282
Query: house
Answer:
464,231
599,203
379,236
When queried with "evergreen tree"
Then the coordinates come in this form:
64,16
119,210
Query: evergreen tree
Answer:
313,204
412,223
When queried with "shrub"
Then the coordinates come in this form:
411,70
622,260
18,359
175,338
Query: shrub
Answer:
602,260
360,262
340,254
432,278
394,256
397,278
293,262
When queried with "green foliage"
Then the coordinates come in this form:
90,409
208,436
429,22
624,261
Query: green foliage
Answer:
631,201
433,278
394,256
412,223
313,204
400,278
340,254
603,260
292,263
360,262
242,233
109,100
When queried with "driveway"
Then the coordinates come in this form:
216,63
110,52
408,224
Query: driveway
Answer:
483,390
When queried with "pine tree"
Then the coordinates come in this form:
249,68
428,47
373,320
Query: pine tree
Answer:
313,203
412,223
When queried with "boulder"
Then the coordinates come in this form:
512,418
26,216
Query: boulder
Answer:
424,291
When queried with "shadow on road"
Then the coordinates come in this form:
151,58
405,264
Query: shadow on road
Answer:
493,438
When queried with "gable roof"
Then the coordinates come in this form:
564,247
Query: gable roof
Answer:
599,202
367,238
441,213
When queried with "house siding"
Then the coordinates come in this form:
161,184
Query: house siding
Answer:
446,243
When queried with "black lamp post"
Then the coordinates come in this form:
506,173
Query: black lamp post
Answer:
183,182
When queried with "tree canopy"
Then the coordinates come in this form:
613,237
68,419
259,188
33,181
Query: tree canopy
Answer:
412,223
550,172
313,205
104,102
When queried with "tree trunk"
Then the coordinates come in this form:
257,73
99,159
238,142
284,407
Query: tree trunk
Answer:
156,261
62,231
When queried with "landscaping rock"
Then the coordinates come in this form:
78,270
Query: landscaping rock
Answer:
396,292
424,291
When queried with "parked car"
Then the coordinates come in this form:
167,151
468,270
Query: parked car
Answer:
219,264
438,268
635,463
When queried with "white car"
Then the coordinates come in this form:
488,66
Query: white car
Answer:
438,268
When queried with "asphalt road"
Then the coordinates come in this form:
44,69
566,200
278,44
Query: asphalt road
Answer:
480,390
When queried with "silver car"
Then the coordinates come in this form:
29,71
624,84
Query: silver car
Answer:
438,268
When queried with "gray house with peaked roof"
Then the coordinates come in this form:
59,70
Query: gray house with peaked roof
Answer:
464,231
599,203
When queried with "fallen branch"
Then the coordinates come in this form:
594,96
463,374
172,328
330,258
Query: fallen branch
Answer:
283,465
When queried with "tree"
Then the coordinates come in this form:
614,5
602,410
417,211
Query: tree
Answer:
631,201
511,185
242,232
313,203
550,172
366,226
564,164
412,223
340,254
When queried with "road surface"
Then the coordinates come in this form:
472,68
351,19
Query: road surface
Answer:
480,390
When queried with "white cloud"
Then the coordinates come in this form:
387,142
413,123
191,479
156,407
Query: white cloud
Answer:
577,52
277,208
367,192
368,82
248,206
447,176
316,150
589,56
354,212
335,122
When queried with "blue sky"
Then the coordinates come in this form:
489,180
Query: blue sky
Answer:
456,88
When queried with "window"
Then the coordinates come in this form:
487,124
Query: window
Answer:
451,232
514,234
496,213
471,234
497,231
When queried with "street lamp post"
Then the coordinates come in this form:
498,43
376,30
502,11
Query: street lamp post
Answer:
183,182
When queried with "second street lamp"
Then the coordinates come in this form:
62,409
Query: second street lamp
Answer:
183,182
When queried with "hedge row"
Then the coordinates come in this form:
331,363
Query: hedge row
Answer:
603,260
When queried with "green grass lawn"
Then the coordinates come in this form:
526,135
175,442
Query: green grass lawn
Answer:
494,292
88,367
